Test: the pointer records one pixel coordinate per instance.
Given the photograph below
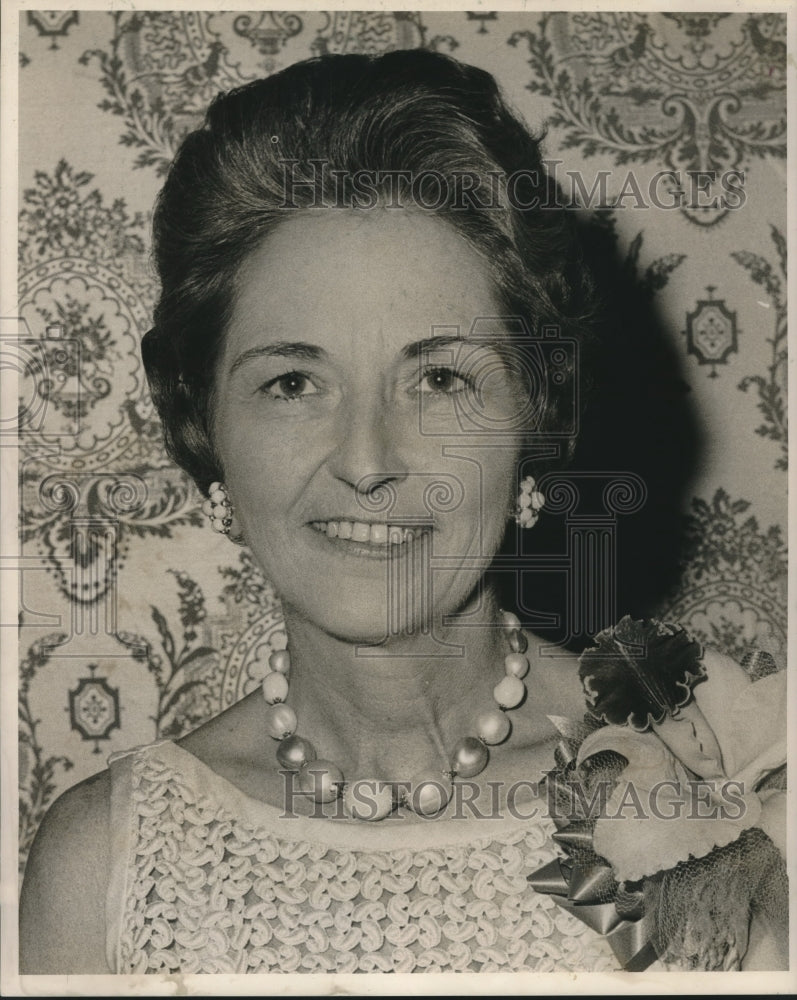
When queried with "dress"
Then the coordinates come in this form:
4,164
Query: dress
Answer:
206,879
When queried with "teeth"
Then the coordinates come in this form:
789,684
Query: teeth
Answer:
358,531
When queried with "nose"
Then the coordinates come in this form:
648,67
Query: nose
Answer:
368,451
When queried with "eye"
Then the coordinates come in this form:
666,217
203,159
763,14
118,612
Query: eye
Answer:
442,382
289,387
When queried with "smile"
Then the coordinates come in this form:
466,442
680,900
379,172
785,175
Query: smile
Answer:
378,534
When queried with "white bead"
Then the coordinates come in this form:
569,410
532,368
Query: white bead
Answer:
528,484
217,524
279,640
321,779
214,487
493,726
511,621
280,661
275,687
524,500
368,800
516,665
509,692
527,517
218,496
280,721
537,500
429,793
207,508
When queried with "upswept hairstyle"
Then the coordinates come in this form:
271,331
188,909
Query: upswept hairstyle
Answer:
407,118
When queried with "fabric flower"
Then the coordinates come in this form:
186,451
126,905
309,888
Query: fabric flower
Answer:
640,671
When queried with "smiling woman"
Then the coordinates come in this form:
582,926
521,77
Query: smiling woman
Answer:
373,402
360,356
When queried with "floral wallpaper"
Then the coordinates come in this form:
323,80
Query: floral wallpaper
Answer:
137,621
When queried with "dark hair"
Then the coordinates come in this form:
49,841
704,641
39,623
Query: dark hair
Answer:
413,111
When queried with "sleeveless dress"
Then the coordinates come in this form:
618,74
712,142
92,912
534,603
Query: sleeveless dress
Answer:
206,879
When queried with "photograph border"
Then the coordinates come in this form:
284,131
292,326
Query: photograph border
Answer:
11,984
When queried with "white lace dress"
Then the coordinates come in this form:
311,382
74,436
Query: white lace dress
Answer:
206,879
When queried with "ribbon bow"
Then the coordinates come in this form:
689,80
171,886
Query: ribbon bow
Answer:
583,883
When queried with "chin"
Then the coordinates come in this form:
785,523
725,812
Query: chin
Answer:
358,614
356,611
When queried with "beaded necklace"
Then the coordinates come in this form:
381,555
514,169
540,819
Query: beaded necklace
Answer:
428,793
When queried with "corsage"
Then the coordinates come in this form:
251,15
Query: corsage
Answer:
667,800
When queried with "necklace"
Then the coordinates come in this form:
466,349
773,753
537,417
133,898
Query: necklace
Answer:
427,793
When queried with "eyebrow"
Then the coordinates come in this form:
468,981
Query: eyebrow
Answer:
282,349
421,347
311,352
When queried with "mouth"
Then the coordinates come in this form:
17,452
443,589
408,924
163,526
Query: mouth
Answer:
376,537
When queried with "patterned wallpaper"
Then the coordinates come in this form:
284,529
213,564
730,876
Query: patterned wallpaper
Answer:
137,620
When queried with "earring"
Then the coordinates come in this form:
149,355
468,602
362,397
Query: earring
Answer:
529,503
218,508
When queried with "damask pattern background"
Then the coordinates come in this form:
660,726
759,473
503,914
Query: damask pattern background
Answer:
137,620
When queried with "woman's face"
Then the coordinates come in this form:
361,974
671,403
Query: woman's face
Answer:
365,429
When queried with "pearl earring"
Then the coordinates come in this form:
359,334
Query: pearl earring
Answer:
218,508
529,503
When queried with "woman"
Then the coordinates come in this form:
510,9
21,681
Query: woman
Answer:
358,259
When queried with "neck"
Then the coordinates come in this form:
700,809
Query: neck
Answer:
393,710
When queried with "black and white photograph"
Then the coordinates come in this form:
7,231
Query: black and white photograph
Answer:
395,512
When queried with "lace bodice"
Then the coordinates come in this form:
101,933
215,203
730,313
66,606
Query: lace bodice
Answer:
209,880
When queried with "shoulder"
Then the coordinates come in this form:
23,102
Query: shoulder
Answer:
62,905
234,745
